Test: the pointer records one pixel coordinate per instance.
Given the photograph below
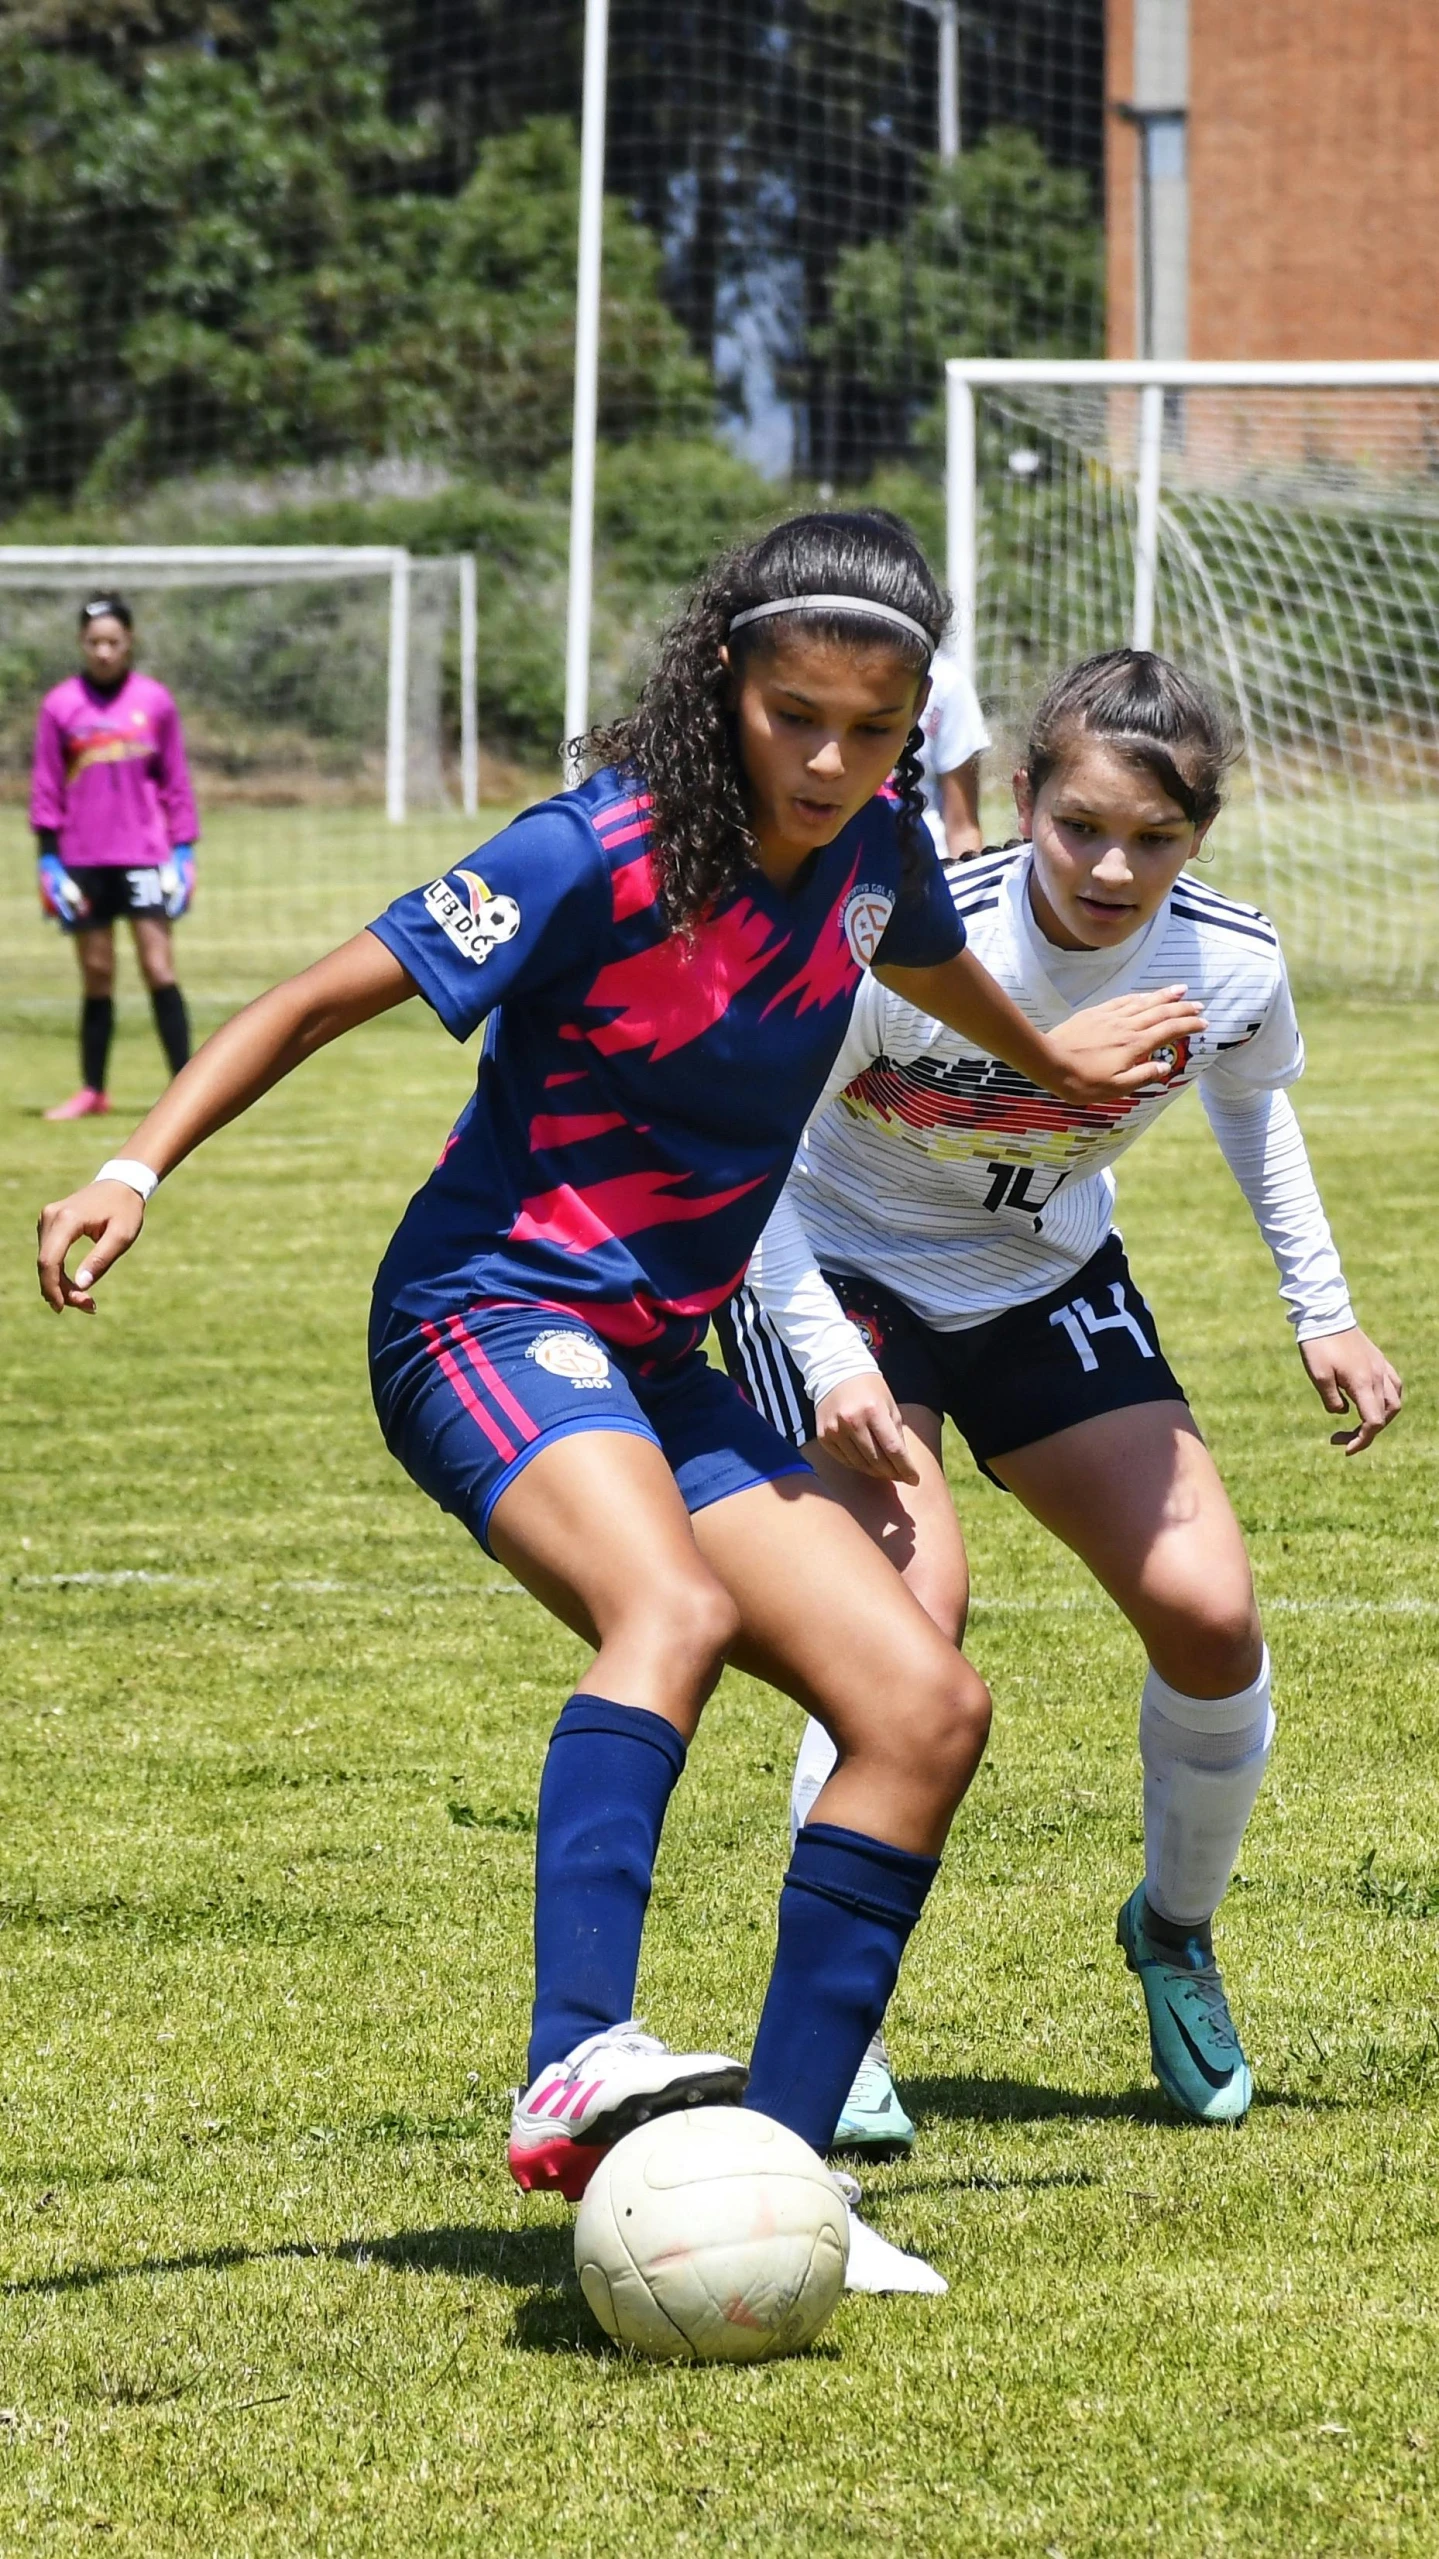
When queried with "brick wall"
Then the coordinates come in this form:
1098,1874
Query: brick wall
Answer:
1313,153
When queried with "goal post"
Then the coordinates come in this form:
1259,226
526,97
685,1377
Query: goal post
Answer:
1275,527
64,565
317,685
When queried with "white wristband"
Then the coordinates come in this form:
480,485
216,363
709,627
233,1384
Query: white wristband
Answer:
127,1168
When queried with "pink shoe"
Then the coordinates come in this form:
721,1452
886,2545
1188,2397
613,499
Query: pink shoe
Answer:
87,1104
564,2123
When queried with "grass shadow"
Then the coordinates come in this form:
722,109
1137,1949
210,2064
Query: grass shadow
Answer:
550,2319
963,2099
556,2321
516,2259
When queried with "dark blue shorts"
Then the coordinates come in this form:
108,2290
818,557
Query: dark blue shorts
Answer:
1089,1347
466,1400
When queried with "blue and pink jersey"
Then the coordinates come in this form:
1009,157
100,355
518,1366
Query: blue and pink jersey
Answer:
641,1093
110,778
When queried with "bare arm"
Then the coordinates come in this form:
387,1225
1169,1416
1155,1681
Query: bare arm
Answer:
1098,1055
959,808
244,1058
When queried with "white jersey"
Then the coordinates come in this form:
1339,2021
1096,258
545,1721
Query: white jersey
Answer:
953,726
966,1189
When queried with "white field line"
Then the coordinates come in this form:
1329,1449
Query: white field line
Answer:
1271,1606
1081,1603
204,1581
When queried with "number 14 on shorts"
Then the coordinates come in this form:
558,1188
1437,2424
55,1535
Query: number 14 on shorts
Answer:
1084,1327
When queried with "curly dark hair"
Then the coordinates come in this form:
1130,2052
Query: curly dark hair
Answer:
1151,713
680,741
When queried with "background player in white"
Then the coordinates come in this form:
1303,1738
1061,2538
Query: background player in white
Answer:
945,1245
955,737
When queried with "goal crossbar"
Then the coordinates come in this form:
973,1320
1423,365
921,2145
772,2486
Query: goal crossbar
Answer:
1275,528
964,375
57,565
1399,373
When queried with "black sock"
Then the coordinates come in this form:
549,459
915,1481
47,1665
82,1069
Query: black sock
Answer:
1173,1932
97,1029
173,1024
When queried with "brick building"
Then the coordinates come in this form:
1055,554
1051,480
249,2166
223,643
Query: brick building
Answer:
1272,177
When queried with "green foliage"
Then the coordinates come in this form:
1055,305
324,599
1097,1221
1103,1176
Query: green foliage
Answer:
491,366
919,498
247,241
663,509
304,657
1341,621
1004,256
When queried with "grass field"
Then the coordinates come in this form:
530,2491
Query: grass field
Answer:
276,887
1352,883
273,1733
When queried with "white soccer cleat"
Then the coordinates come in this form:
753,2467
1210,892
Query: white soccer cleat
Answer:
874,2124
563,2124
875,2264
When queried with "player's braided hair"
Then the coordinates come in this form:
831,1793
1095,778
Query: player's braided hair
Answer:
681,742
1151,712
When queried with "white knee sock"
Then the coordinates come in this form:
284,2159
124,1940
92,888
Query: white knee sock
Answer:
817,1756
1204,1761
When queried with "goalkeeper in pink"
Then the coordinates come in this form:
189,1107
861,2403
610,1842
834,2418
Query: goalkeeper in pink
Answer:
115,828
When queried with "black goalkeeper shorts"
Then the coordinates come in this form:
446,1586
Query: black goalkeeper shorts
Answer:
1088,1347
114,892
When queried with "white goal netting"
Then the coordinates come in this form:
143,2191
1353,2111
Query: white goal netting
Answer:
325,742
1296,569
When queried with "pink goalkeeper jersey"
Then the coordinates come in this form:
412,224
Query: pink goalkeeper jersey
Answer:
110,777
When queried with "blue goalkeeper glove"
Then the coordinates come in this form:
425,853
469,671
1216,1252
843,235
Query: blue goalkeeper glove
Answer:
60,896
177,880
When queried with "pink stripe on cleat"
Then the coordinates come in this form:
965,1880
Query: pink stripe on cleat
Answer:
555,2167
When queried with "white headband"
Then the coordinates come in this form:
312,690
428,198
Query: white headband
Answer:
836,604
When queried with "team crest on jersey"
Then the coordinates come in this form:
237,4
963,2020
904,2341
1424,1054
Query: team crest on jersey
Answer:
1175,1055
869,1329
865,914
476,927
571,1355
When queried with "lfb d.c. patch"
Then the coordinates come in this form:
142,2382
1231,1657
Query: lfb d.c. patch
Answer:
576,1356
864,917
477,922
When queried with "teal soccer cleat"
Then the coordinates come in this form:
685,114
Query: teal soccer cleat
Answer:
1197,2056
874,2124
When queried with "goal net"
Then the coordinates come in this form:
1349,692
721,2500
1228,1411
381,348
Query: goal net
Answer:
327,701
1276,530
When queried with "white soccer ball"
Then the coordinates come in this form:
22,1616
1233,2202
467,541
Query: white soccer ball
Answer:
713,2236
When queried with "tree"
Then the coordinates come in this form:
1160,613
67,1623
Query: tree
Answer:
492,359
231,256
1003,256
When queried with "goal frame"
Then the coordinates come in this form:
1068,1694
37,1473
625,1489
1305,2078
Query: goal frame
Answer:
964,375
263,563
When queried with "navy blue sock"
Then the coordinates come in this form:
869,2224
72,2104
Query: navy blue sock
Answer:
845,1916
609,1774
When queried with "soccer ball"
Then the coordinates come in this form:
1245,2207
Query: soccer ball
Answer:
714,2236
